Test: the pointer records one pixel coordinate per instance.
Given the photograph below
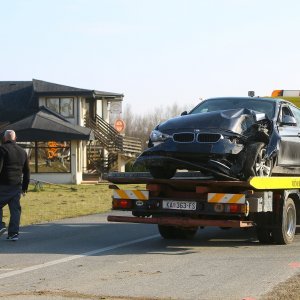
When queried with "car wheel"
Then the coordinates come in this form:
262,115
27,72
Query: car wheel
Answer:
257,164
172,232
285,232
161,172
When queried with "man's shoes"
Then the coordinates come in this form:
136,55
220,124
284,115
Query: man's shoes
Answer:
2,230
12,237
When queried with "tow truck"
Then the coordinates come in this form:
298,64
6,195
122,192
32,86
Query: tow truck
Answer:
179,206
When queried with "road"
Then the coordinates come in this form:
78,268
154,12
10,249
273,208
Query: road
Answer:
88,258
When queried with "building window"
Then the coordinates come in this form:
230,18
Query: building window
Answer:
48,157
62,105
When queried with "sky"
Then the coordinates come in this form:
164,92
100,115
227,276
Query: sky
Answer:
155,52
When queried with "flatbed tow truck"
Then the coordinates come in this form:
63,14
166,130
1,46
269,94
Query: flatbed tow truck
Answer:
179,206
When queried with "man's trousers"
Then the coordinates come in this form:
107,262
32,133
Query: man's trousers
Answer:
10,195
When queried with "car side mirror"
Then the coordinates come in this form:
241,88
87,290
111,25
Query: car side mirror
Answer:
184,113
288,120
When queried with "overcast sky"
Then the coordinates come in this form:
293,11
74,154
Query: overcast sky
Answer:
155,52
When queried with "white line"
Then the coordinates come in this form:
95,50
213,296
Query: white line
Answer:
73,257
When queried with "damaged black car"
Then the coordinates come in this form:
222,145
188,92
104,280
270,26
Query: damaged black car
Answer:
228,138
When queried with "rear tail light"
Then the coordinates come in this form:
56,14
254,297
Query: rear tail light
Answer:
235,208
232,208
122,203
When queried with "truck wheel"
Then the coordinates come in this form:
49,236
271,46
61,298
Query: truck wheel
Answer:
162,173
172,232
264,235
285,232
256,163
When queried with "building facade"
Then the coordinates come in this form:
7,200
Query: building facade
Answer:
66,131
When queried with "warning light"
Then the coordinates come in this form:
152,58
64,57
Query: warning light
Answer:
277,93
251,93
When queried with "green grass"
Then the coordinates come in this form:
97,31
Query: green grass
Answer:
54,202
294,100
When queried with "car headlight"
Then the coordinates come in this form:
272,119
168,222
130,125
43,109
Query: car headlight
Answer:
157,136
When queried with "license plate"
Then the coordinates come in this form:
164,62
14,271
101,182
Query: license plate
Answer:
181,205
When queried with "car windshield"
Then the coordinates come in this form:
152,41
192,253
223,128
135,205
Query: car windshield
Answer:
265,106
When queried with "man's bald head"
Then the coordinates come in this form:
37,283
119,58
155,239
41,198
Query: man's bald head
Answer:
9,135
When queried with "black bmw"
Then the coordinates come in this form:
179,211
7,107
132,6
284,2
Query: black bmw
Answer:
233,138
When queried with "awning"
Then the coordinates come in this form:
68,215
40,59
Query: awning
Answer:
46,125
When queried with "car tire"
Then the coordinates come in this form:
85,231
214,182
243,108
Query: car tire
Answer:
172,232
256,163
285,231
162,173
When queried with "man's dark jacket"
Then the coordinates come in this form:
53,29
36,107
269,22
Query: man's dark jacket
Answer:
14,165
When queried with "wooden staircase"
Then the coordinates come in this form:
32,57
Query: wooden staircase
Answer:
106,134
109,139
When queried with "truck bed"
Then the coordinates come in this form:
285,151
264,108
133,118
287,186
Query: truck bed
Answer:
181,179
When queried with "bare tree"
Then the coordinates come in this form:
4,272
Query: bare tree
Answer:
140,126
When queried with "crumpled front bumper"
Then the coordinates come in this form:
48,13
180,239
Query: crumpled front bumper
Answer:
222,147
165,161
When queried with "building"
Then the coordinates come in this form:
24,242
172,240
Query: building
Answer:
67,132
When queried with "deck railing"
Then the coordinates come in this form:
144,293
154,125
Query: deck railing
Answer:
106,134
110,138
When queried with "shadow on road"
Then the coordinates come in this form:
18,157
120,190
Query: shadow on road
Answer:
77,238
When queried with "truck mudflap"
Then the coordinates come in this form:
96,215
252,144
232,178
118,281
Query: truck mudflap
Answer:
182,221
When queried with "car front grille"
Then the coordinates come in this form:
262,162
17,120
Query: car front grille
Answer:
184,137
208,137
189,137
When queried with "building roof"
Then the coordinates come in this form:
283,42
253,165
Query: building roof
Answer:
15,99
45,125
20,98
47,88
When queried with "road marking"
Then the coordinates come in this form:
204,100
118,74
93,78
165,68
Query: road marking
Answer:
294,264
123,262
73,257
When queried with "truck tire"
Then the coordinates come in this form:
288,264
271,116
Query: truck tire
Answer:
264,235
284,233
162,173
172,232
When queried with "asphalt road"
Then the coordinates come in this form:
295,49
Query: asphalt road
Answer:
86,257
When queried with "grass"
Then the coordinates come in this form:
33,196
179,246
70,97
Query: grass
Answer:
53,202
289,289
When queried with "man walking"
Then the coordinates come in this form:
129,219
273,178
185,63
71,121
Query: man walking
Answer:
14,180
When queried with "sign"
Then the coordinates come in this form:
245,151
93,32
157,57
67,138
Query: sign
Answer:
116,107
119,125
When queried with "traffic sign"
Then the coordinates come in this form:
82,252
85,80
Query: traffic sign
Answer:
119,125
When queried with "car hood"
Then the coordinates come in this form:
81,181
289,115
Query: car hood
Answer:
235,120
